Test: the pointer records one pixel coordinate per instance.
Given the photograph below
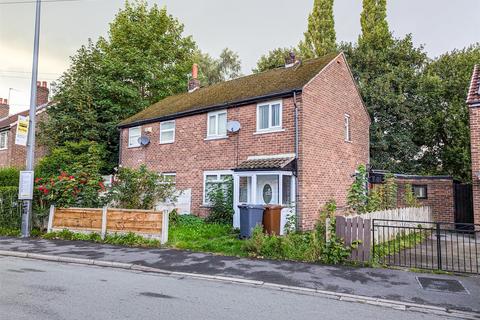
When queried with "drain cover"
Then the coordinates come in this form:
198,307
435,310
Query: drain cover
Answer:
443,285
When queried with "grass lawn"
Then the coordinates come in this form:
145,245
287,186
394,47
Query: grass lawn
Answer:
194,234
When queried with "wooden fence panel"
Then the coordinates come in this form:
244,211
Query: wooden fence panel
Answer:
144,222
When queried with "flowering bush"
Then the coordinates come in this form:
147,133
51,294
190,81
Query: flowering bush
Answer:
70,190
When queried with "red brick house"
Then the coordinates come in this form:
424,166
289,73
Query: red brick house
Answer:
291,136
473,101
12,155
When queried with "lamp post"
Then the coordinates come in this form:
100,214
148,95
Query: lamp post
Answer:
27,208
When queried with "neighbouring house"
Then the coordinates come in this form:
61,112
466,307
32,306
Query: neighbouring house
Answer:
12,155
473,102
292,136
442,193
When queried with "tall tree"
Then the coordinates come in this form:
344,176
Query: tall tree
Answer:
274,59
320,37
442,125
373,20
226,67
144,58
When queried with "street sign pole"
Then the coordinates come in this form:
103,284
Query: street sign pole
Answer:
27,207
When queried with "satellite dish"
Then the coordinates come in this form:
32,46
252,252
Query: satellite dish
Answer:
144,140
233,126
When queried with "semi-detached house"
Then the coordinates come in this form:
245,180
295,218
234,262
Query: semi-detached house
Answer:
292,136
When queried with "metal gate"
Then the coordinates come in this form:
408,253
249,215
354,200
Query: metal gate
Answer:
453,247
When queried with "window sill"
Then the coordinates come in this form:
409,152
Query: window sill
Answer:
168,142
216,138
133,147
269,131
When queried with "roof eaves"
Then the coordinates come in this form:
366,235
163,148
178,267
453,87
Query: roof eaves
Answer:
207,109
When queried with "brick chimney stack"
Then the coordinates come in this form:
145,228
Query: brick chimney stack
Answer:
4,108
42,93
194,83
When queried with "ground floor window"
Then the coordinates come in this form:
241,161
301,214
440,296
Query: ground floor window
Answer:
420,191
213,179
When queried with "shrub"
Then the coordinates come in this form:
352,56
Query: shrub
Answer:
221,200
9,177
140,189
409,196
80,189
84,156
357,198
10,208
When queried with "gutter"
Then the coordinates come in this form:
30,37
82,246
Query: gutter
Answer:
210,108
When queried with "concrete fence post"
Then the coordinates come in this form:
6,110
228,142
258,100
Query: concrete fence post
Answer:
50,218
104,222
165,220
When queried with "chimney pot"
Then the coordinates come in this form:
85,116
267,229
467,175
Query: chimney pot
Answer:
44,84
39,83
195,71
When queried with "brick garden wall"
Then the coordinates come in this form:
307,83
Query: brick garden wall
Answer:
327,161
440,197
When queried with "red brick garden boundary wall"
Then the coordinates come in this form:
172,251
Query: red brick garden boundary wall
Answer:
358,230
147,223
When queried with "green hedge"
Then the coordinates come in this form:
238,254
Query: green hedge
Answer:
10,208
9,177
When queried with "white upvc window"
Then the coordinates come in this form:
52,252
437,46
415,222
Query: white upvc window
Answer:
211,179
346,127
3,140
269,116
217,124
169,178
167,132
134,134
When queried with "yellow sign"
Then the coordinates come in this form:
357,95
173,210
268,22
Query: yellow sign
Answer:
22,130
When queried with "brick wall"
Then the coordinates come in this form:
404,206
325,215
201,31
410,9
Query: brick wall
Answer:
327,161
15,155
440,197
190,155
474,113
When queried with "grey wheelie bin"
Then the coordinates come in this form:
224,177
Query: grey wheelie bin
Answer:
250,217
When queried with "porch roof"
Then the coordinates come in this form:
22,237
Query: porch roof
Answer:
284,164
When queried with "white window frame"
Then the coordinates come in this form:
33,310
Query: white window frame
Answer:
347,130
136,143
270,127
216,135
170,174
218,173
167,130
4,133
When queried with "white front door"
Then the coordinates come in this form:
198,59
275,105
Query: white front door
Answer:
267,189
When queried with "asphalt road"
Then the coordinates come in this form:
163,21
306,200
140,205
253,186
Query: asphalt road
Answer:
32,289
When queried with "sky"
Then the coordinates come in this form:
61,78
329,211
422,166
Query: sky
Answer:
249,27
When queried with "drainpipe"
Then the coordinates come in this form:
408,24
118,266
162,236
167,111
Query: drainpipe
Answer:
297,211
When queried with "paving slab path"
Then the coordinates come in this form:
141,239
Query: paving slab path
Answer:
397,285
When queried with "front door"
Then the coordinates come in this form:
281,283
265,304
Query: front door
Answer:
267,189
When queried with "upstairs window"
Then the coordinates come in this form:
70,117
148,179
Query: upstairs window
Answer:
133,136
269,116
3,140
346,124
217,124
167,132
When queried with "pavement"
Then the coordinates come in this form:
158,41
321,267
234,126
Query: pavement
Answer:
374,283
44,290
